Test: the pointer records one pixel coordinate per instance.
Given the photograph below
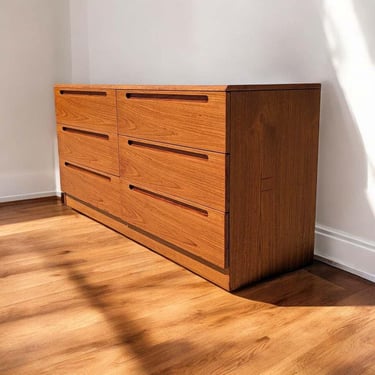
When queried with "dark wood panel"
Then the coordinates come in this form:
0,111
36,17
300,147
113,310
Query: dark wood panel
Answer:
274,136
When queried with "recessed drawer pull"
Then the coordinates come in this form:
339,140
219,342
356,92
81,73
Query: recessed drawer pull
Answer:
84,170
200,211
180,97
85,132
167,149
78,92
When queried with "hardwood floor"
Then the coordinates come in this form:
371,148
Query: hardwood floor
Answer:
79,298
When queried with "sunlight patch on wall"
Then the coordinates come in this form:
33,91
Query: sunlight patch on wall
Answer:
356,75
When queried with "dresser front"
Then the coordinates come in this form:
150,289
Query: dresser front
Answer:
173,164
88,146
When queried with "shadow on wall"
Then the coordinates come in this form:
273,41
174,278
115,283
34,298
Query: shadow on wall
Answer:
347,142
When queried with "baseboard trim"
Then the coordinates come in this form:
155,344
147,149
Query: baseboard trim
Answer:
21,197
344,251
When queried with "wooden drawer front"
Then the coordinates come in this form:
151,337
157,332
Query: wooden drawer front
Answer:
99,190
87,108
194,175
94,150
187,118
194,229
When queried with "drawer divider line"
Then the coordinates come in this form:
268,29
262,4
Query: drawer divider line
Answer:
68,129
88,171
151,194
168,149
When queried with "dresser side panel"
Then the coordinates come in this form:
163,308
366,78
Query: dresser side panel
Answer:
273,171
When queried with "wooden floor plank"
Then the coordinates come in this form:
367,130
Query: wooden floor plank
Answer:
77,297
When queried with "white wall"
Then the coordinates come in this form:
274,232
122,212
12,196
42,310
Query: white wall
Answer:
201,42
79,41
261,41
35,54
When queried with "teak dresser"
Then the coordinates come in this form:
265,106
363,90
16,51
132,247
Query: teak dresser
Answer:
220,179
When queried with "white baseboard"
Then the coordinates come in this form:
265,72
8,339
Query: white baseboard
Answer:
345,251
20,197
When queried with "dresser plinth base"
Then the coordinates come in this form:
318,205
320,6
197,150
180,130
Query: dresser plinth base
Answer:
219,278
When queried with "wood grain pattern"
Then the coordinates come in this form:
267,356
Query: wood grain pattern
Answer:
181,172
261,170
98,189
190,123
94,150
95,112
92,301
196,229
216,276
274,137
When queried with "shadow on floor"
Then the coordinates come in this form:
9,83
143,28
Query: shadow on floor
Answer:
31,210
316,285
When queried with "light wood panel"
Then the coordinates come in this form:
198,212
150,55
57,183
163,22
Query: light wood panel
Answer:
188,119
96,188
92,108
195,229
98,151
198,176
92,301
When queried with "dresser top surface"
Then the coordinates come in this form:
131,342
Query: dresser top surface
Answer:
228,88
